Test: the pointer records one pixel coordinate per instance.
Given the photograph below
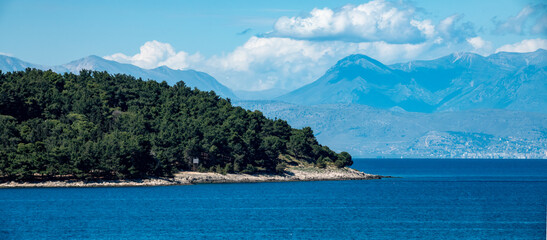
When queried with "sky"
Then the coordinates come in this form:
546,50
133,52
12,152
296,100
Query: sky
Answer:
258,45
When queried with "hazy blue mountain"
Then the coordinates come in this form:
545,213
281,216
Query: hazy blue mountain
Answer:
260,95
515,60
460,81
8,64
464,81
362,80
364,131
100,64
200,80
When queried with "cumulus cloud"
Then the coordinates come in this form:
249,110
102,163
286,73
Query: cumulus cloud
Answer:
263,63
531,19
480,45
154,54
477,42
527,45
374,21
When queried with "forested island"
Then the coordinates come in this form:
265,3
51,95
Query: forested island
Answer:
95,125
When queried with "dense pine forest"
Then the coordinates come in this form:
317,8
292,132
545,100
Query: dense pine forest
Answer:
95,125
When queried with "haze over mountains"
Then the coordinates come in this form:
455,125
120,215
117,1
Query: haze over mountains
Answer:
365,131
461,105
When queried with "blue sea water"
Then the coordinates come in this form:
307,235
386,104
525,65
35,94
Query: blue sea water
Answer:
435,199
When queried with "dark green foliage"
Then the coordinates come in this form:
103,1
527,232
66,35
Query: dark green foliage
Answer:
344,160
280,168
97,125
321,163
339,163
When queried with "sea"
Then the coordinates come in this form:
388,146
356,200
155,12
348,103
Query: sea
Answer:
429,199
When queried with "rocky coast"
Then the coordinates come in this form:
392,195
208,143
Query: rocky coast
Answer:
189,178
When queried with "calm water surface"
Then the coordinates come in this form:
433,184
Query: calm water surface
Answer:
435,199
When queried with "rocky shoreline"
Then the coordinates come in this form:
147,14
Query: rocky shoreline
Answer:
188,178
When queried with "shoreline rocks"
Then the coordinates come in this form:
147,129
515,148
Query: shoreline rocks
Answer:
188,178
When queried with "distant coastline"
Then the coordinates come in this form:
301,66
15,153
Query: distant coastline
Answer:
294,174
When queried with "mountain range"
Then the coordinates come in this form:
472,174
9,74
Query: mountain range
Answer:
460,81
192,78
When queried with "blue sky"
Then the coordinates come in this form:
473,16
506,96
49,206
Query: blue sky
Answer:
255,45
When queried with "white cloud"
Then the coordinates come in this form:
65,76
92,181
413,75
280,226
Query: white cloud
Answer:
527,45
477,42
373,21
425,26
260,50
154,54
480,45
6,54
263,63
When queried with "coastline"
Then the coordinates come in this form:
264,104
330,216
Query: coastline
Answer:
295,174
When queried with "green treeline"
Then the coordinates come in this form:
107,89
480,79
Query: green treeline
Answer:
97,125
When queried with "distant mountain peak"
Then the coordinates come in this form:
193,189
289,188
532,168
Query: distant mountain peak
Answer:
9,63
540,51
357,57
359,61
88,59
94,57
88,63
466,57
163,68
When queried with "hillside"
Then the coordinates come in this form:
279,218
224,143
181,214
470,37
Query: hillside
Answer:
100,126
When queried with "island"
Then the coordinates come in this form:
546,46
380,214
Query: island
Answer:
98,129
